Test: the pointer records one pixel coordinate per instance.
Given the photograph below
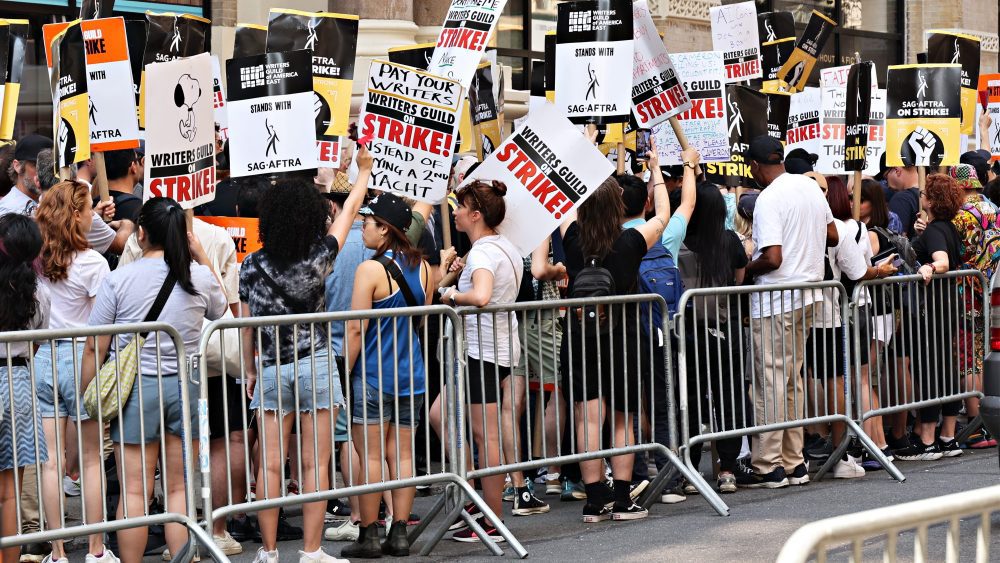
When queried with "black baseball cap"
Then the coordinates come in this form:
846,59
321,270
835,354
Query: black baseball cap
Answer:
672,171
391,209
800,161
27,149
882,168
765,149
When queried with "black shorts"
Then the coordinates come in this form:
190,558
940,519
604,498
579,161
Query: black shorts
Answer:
236,402
608,367
824,350
483,382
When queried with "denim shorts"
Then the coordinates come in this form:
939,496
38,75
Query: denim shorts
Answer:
19,421
139,422
370,406
315,373
66,380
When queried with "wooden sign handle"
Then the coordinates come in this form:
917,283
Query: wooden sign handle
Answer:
682,139
921,182
101,179
857,195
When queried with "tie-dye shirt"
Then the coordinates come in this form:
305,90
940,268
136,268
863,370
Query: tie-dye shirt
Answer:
976,223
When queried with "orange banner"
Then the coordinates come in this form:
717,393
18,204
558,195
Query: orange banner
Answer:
104,40
242,229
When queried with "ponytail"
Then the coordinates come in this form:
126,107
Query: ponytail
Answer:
20,243
163,220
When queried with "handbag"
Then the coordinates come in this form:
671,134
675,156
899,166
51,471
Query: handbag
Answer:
110,390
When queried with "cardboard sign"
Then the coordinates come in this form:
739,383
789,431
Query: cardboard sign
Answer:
803,121
332,39
249,40
832,119
270,100
773,55
778,105
799,66
550,66
94,9
857,121
244,231
549,169
69,75
656,91
418,56
463,39
946,47
775,26
180,132
747,115
219,100
5,44
924,113
135,35
703,77
989,87
16,44
170,37
113,124
411,117
487,112
594,50
734,32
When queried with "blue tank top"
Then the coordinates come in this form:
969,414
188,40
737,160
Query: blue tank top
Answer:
393,343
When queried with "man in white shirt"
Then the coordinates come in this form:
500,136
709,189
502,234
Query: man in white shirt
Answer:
791,242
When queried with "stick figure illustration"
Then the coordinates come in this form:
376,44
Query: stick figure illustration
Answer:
92,112
771,36
736,117
592,86
957,54
272,139
922,88
996,139
312,37
175,43
769,108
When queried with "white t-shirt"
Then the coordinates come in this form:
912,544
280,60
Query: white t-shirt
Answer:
496,254
40,320
100,236
846,259
792,213
73,297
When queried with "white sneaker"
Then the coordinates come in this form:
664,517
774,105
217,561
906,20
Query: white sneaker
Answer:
227,544
71,486
266,556
166,556
348,531
848,469
107,557
319,557
49,559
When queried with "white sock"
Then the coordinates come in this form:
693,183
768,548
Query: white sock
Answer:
314,555
947,438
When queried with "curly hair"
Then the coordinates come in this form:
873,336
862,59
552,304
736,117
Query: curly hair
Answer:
20,243
944,197
62,234
601,218
293,217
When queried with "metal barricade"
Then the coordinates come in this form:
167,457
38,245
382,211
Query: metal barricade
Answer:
605,360
759,361
302,375
928,342
153,419
876,534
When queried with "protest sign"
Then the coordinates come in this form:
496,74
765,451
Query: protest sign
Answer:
113,124
219,100
702,76
947,47
989,87
5,43
244,230
832,119
594,50
773,55
550,66
466,32
169,37
734,32
656,91
923,117
411,117
180,136
746,111
778,105
799,66
270,101
332,39
16,45
549,169
135,35
857,121
49,33
69,78
803,121
487,116
775,26
94,9
249,39
418,56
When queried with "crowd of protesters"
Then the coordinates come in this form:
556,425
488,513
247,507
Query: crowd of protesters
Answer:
330,244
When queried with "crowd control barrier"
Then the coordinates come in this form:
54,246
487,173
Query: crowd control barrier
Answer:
875,534
54,376
747,373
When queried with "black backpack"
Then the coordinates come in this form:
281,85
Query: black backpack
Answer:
594,280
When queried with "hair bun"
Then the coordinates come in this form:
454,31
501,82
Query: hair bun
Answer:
499,188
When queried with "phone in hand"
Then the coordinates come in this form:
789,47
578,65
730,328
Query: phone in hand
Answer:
642,144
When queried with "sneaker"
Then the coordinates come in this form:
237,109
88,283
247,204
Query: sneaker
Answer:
800,475
286,531
266,556
727,483
572,491
744,472
688,488
336,509
348,531
673,495
242,528
917,451
636,489
596,513
526,504
319,557
630,512
981,439
109,557
552,484
820,450
71,486
166,556
509,493
848,469
291,487
887,452
897,443
468,536
473,511
48,559
225,543
542,474
773,480
949,448
35,552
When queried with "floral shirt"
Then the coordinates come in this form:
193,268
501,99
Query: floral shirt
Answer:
976,223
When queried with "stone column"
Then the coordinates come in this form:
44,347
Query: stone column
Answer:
429,15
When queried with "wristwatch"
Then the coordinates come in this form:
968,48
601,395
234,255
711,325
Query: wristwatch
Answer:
690,165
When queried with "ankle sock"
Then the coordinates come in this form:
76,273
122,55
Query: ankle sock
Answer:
946,438
621,492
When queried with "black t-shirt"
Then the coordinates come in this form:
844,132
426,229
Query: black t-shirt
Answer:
731,247
623,260
127,206
906,204
939,236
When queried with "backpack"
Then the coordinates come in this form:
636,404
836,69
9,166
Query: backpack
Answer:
658,274
594,280
901,246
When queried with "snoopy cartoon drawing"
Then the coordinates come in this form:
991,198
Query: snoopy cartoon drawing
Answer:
187,92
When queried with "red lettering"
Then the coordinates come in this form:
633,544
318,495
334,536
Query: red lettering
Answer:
703,108
329,151
519,157
506,151
395,134
554,202
526,172
543,190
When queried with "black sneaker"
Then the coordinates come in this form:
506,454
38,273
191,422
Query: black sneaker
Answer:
286,531
630,512
596,513
35,552
337,509
800,476
949,448
773,480
820,450
917,451
468,536
526,504
636,489
242,528
744,472
473,511
897,443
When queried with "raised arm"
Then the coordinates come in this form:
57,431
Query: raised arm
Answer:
653,229
342,225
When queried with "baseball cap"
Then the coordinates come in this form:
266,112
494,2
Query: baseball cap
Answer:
765,149
746,205
391,209
800,161
29,147
673,171
966,176
978,161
